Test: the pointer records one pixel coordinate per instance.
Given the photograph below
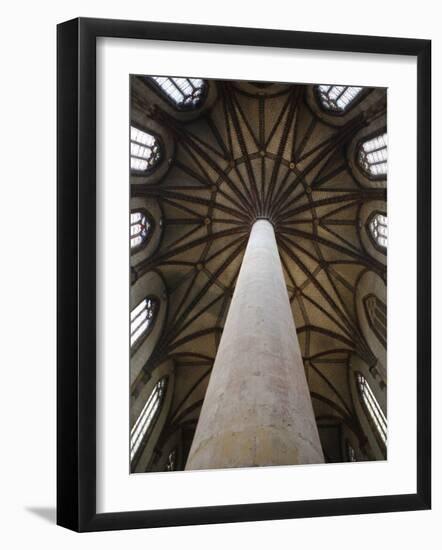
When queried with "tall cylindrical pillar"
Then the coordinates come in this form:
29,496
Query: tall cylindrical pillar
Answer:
257,410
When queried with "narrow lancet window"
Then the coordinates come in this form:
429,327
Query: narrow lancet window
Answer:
147,417
338,98
378,228
142,319
373,156
376,312
140,229
351,453
372,407
184,93
171,461
145,152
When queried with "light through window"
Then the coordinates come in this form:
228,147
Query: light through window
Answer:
373,156
185,93
378,227
338,98
140,228
372,407
145,150
147,417
141,319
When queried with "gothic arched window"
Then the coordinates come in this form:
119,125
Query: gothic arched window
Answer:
142,319
337,98
376,312
184,93
145,151
373,156
378,230
141,227
145,422
372,407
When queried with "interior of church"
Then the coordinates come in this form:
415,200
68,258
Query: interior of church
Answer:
258,269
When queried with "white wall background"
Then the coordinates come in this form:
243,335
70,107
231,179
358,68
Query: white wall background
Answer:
27,390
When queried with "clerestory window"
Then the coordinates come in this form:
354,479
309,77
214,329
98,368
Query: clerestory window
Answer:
183,93
372,407
141,227
150,412
378,230
145,151
338,99
142,319
373,156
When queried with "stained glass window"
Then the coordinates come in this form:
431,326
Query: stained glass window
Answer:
372,407
140,228
147,416
378,227
185,93
142,318
373,156
338,98
145,151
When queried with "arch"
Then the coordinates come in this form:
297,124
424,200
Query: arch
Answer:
366,213
151,208
369,283
184,93
373,156
145,422
145,151
368,98
151,284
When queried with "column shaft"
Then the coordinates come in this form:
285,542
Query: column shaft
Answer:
257,410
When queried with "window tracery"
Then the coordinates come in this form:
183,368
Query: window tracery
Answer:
373,156
338,98
141,227
142,318
147,417
378,229
372,407
184,93
145,151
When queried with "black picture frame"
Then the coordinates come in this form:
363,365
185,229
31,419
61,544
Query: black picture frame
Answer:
76,274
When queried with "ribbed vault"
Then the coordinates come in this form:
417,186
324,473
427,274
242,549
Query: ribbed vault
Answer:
262,152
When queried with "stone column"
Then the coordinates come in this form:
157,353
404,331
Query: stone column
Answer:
257,410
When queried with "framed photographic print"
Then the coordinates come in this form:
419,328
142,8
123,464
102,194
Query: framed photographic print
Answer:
230,202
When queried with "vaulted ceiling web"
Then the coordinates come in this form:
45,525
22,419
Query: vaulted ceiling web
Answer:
261,152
